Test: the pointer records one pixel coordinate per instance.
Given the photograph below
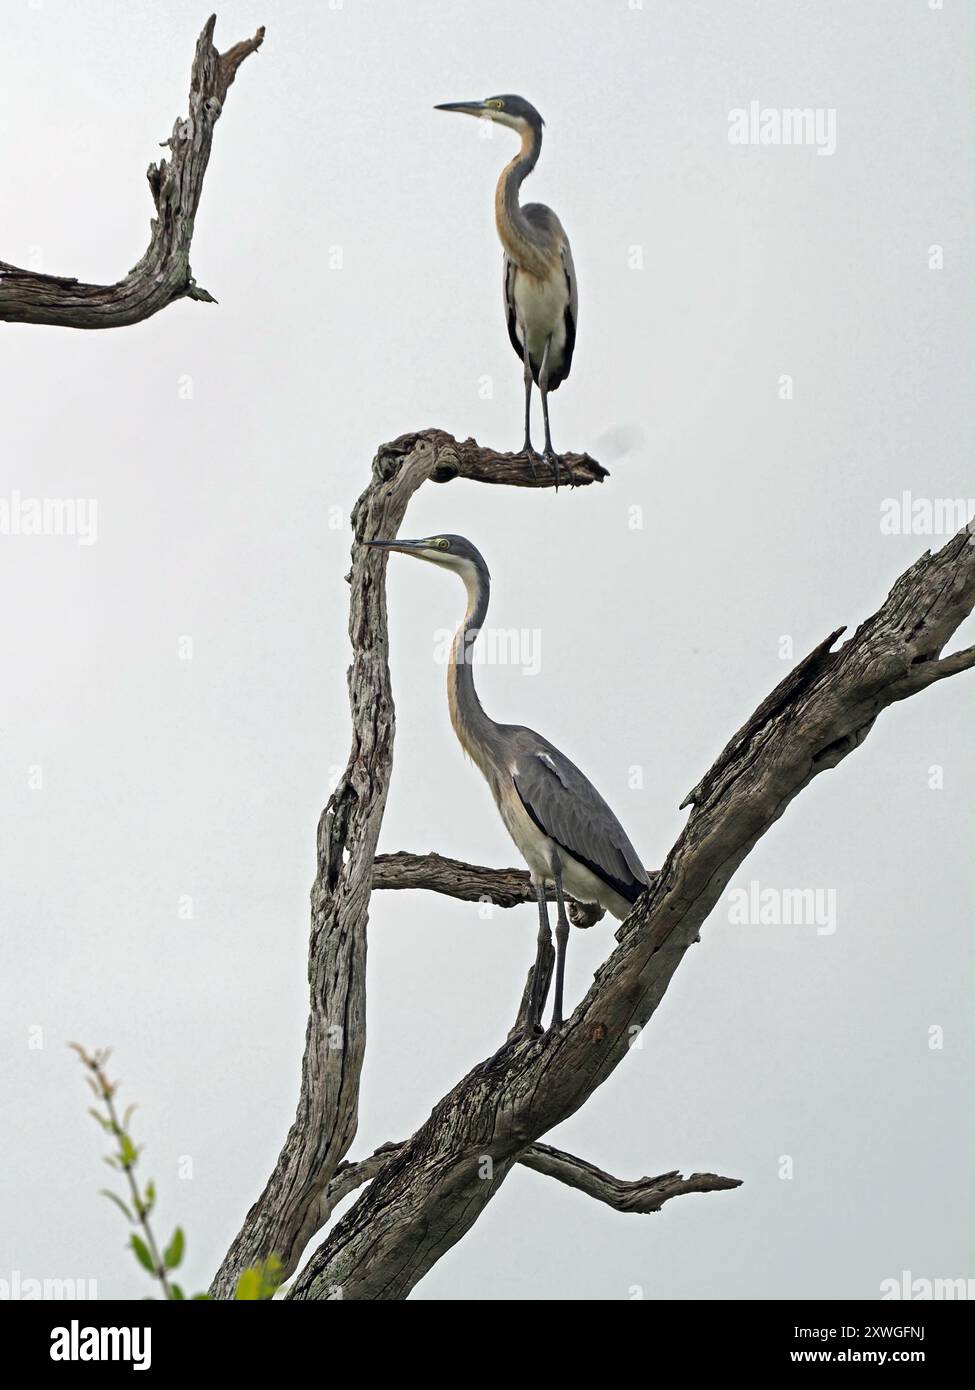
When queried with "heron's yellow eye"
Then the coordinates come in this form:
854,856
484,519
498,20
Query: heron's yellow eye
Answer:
497,104
441,543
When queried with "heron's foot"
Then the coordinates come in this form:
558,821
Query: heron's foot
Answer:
532,455
525,1030
555,463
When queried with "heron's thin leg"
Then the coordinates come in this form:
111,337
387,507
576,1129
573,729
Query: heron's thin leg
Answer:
543,389
543,960
528,405
561,941
540,975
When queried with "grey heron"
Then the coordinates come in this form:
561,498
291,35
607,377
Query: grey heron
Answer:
563,828
539,281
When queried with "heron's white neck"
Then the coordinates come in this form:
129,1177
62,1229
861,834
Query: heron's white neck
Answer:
471,725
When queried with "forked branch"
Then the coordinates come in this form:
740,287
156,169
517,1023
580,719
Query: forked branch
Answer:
428,1195
163,274
287,1214
642,1195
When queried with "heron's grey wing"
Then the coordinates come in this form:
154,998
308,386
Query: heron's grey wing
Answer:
508,285
571,311
567,807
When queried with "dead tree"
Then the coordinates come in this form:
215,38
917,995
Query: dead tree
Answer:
163,273
426,1192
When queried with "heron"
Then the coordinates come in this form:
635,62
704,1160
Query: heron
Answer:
539,279
565,831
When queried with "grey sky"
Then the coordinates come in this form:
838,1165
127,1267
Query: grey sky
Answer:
225,447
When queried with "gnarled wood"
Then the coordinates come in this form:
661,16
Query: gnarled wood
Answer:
432,1190
642,1195
163,274
470,883
286,1214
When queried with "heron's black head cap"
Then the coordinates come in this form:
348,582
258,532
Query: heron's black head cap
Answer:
516,107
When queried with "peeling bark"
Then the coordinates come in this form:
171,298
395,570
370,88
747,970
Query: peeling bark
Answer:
643,1195
286,1214
433,1189
163,274
471,883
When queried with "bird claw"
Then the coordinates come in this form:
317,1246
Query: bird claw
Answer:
552,458
523,1031
533,457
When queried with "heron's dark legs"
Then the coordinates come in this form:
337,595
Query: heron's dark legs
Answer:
528,1022
550,453
527,448
561,941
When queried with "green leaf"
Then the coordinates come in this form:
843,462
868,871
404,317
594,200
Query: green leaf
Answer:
114,1197
105,1124
128,1114
249,1285
128,1152
142,1253
112,1162
260,1281
176,1291
174,1250
150,1196
202,1297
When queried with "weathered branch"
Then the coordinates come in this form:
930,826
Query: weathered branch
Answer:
467,459
287,1213
471,883
432,1190
643,1195
163,274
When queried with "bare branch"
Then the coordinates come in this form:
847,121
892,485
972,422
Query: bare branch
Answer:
287,1213
163,274
425,1200
466,459
643,1195
471,883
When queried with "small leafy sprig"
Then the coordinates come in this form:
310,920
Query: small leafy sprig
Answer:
259,1282
125,1160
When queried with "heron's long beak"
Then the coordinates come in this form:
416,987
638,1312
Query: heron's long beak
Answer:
407,547
466,108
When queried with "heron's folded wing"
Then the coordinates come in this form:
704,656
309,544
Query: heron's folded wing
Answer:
565,805
508,286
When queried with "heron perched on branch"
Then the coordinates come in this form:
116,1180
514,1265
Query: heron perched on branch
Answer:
562,826
540,298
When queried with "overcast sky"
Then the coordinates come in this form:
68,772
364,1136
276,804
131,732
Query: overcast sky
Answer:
769,348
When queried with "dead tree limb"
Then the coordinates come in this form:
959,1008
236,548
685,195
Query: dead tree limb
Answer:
643,1195
163,274
471,883
428,1194
286,1215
